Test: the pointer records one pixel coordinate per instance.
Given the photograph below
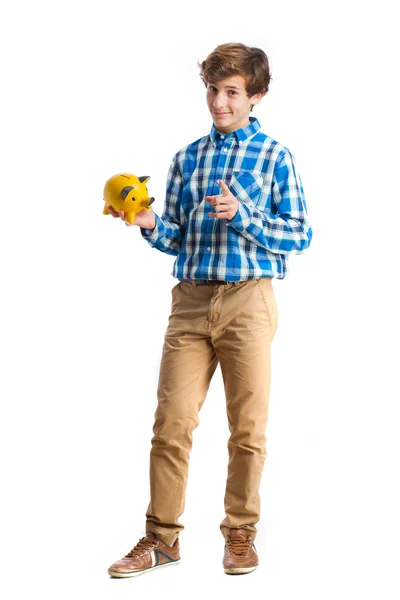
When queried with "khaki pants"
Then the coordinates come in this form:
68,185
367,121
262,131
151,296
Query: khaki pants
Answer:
231,324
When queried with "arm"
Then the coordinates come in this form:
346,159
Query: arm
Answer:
167,234
285,229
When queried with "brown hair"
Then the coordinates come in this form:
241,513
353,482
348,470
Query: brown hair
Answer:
237,59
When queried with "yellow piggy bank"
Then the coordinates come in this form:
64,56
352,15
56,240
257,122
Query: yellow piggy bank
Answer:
128,193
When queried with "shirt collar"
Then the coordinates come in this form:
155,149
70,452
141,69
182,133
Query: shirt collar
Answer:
242,134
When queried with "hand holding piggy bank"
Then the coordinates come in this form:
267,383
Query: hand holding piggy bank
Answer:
127,193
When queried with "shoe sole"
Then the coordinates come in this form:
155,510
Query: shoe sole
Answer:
240,570
119,574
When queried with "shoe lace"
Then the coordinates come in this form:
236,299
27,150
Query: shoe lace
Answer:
239,546
142,547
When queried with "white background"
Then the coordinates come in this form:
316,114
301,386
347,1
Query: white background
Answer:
90,89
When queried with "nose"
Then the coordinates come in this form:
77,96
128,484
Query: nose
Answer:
219,101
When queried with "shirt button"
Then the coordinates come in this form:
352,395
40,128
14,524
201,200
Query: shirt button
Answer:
208,248
225,149
222,137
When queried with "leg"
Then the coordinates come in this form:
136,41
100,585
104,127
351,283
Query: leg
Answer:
187,366
243,350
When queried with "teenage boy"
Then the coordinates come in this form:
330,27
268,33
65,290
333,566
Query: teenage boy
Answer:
234,212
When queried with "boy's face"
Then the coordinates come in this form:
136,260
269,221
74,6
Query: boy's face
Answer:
229,103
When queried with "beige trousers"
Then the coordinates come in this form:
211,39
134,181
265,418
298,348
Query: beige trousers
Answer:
231,324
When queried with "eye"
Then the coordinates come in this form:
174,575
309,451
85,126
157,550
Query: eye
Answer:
213,89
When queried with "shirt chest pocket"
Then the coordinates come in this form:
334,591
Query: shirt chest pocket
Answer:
247,185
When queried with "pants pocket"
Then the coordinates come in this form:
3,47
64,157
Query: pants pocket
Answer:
268,296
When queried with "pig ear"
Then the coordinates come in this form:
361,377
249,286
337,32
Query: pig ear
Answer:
144,178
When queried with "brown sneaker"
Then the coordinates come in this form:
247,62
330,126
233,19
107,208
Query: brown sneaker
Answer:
149,553
240,555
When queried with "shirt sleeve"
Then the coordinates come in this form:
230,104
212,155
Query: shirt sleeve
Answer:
285,229
168,233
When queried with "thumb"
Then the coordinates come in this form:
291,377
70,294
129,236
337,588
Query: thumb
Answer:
224,187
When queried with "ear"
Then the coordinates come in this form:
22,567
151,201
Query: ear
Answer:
126,191
144,178
256,98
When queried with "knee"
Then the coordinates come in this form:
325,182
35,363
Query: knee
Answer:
173,433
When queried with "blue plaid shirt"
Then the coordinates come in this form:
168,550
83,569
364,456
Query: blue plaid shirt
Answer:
271,221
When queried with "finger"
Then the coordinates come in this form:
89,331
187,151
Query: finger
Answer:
220,215
212,199
215,202
225,188
220,206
